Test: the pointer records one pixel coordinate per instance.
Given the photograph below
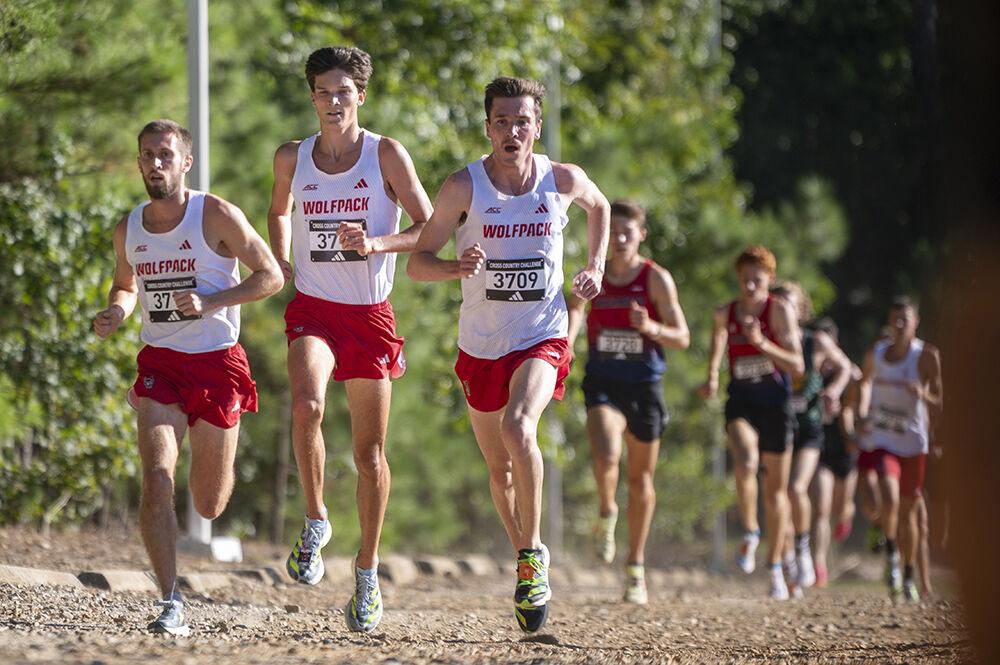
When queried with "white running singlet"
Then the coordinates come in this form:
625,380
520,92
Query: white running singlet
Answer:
180,260
899,418
516,301
323,269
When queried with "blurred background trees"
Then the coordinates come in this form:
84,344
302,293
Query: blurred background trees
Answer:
795,125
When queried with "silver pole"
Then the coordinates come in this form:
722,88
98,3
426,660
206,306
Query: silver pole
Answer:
199,529
557,434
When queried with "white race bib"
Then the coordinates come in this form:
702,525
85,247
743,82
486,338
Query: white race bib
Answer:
516,280
324,244
891,420
752,368
620,343
160,305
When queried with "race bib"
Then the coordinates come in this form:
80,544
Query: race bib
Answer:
891,420
620,343
516,280
798,403
324,245
160,299
752,368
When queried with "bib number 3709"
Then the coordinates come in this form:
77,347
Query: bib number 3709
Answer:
324,244
515,280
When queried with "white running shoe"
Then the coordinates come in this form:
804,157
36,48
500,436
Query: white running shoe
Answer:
894,577
305,564
746,555
807,572
604,537
778,590
635,584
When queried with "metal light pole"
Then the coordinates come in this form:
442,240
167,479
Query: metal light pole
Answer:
199,529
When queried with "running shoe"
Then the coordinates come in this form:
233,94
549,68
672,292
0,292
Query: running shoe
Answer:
604,537
875,539
806,572
910,593
746,555
778,590
635,584
171,620
364,611
893,576
305,564
790,565
532,593
842,530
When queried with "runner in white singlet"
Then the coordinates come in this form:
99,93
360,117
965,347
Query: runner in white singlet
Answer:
508,211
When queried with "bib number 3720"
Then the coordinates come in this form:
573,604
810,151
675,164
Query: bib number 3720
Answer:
515,280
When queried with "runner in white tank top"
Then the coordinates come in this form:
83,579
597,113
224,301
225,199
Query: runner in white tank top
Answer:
336,201
177,255
900,391
178,260
508,211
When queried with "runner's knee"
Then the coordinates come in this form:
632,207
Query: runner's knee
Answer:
370,461
307,410
518,435
209,505
158,485
640,483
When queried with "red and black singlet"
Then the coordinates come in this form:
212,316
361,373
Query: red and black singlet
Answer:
754,376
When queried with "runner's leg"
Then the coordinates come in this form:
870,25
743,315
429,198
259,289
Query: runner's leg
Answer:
777,468
212,474
742,440
368,400
486,427
605,425
161,430
642,458
310,365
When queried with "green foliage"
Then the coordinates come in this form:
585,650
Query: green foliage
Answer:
646,110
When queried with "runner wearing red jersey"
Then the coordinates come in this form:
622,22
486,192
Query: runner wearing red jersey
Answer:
631,320
760,335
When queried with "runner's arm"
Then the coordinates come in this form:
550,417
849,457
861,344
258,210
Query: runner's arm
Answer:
406,188
124,289
279,216
865,387
673,331
716,349
450,209
787,353
228,224
929,367
840,362
572,182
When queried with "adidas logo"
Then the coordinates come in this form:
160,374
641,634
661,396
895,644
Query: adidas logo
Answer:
236,407
339,256
141,248
516,296
311,187
492,211
174,316
541,209
361,184
185,245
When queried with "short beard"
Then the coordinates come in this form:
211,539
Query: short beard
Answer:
161,191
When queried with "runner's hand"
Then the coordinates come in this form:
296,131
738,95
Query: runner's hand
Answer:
107,320
353,236
638,318
286,270
831,403
752,331
471,262
709,389
587,283
190,303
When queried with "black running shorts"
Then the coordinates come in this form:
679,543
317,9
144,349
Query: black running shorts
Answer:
640,402
775,425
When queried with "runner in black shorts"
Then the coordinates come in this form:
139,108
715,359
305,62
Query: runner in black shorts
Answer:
760,335
635,315
811,397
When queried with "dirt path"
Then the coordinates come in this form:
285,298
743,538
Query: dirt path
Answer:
438,620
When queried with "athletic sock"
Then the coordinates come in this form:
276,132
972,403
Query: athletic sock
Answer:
908,573
801,542
890,547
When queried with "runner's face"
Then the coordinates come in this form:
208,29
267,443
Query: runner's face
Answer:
162,163
512,128
903,324
754,282
626,234
336,98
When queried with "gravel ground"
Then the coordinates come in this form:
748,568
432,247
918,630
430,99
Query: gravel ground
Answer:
690,620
